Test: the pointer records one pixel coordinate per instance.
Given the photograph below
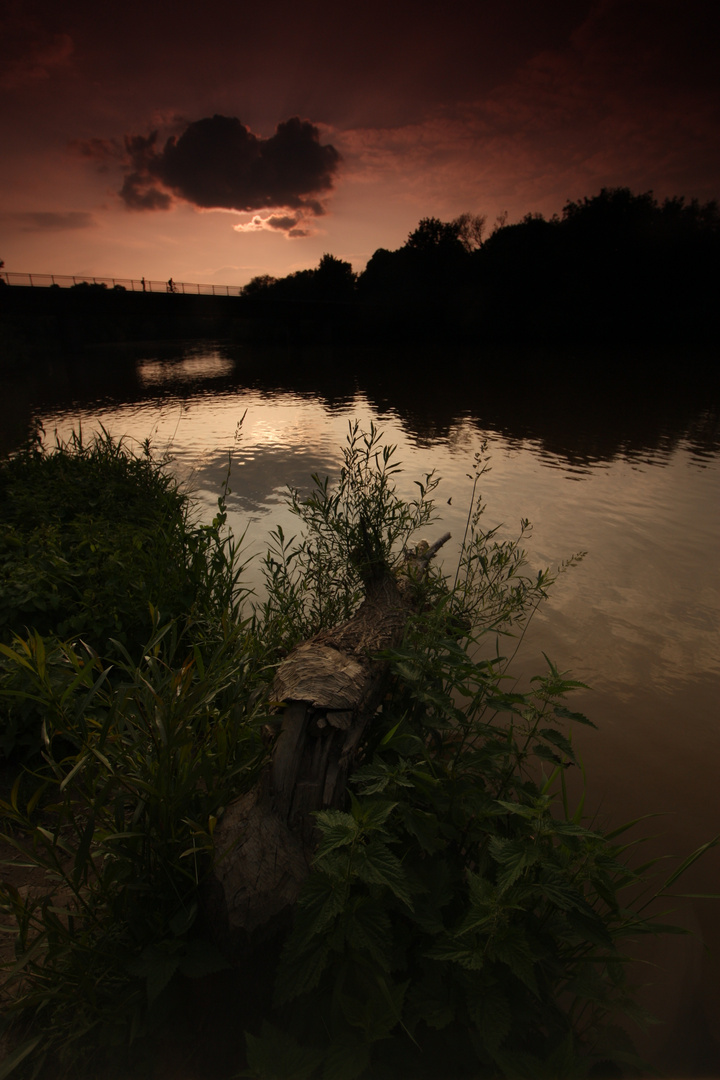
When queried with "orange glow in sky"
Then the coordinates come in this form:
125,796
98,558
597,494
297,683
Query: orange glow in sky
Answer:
215,149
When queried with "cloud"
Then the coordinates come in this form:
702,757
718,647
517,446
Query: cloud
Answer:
30,54
45,221
616,103
217,163
99,149
293,225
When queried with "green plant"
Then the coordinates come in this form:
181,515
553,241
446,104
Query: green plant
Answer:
122,827
461,918
351,532
96,543
91,533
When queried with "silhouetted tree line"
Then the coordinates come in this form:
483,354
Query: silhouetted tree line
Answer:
615,269
332,282
614,266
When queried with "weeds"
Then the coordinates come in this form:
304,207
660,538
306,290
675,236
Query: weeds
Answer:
122,826
350,533
97,543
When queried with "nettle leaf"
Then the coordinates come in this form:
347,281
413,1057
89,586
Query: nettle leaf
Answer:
408,671
482,891
345,1059
275,1053
368,927
393,994
520,809
514,856
375,864
492,1016
338,830
565,714
470,959
423,826
373,779
157,966
478,922
201,958
589,925
434,890
512,949
520,1064
377,1010
371,814
316,890
546,754
517,865
561,741
430,1002
605,889
323,897
558,893
300,971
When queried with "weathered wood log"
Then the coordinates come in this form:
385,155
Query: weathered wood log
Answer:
330,687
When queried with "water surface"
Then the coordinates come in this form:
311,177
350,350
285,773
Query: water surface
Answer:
624,470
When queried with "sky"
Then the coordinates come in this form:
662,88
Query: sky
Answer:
214,143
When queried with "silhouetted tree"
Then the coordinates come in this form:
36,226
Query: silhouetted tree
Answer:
259,285
613,266
470,230
420,285
613,214
334,279
433,236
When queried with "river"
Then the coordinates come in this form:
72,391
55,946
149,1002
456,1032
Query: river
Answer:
625,469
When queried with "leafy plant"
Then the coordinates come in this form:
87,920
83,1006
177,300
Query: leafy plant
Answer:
122,828
461,918
351,533
97,543
91,533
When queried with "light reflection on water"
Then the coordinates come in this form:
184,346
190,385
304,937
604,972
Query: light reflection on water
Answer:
204,366
637,619
648,522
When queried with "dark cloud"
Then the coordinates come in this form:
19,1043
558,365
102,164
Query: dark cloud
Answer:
218,163
29,53
283,223
46,221
98,149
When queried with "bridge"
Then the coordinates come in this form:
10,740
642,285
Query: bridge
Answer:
67,281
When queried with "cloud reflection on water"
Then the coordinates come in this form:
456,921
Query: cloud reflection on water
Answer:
637,604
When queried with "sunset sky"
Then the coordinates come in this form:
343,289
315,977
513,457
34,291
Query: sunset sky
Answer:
212,143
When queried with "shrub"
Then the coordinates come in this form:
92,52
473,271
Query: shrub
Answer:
97,543
122,828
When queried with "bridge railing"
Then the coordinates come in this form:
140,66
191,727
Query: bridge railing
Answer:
67,281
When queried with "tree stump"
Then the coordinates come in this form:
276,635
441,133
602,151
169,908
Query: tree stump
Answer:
330,687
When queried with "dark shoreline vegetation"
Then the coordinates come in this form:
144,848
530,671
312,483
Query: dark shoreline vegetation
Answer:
461,917
616,269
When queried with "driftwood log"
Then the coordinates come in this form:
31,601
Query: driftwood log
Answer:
328,688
